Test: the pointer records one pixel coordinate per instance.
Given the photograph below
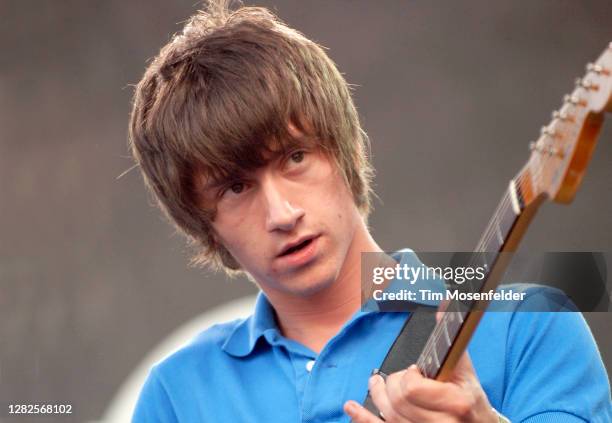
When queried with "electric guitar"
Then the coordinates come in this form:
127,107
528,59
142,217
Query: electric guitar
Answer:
554,171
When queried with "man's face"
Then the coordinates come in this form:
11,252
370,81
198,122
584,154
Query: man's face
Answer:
290,223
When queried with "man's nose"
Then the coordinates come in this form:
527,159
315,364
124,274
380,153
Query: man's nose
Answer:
281,213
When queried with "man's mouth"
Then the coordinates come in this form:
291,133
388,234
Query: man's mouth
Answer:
298,253
296,248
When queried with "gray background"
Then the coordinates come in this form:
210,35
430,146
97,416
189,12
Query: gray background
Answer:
91,277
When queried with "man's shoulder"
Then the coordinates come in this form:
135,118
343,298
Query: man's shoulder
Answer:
205,347
217,334
197,365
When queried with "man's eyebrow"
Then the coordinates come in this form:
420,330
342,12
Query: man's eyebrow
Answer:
211,184
214,183
301,141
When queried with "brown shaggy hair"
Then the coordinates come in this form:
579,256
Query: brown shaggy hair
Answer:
219,96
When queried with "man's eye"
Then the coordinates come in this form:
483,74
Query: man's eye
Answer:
237,187
297,156
233,188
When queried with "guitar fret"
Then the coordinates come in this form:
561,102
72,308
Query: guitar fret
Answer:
446,337
429,363
516,206
500,224
451,325
429,372
456,323
506,219
498,232
441,351
522,194
435,357
441,340
492,243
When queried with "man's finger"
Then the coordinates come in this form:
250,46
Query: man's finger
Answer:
380,397
420,391
359,414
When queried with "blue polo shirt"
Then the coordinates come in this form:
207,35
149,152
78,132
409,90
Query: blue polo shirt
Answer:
534,367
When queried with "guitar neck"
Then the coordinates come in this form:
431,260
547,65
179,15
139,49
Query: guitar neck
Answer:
457,324
554,171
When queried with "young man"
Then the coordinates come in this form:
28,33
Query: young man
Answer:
248,138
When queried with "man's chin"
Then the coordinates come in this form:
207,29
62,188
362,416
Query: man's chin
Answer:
307,287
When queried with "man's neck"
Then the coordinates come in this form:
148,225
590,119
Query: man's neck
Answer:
313,320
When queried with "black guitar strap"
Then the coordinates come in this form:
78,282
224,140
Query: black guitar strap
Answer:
407,347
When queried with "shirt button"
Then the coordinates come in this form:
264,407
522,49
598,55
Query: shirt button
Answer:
309,365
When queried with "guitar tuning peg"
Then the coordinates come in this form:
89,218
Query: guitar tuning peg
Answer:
572,99
549,150
591,67
560,115
597,69
552,151
546,131
535,146
587,85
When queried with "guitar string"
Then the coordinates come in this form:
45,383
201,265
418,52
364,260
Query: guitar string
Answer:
485,239
436,334
483,242
487,236
535,176
434,339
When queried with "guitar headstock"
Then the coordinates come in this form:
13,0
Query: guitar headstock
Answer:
559,157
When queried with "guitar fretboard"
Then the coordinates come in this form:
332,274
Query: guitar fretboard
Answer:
487,251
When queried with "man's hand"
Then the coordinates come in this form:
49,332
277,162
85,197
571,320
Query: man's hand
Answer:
407,396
